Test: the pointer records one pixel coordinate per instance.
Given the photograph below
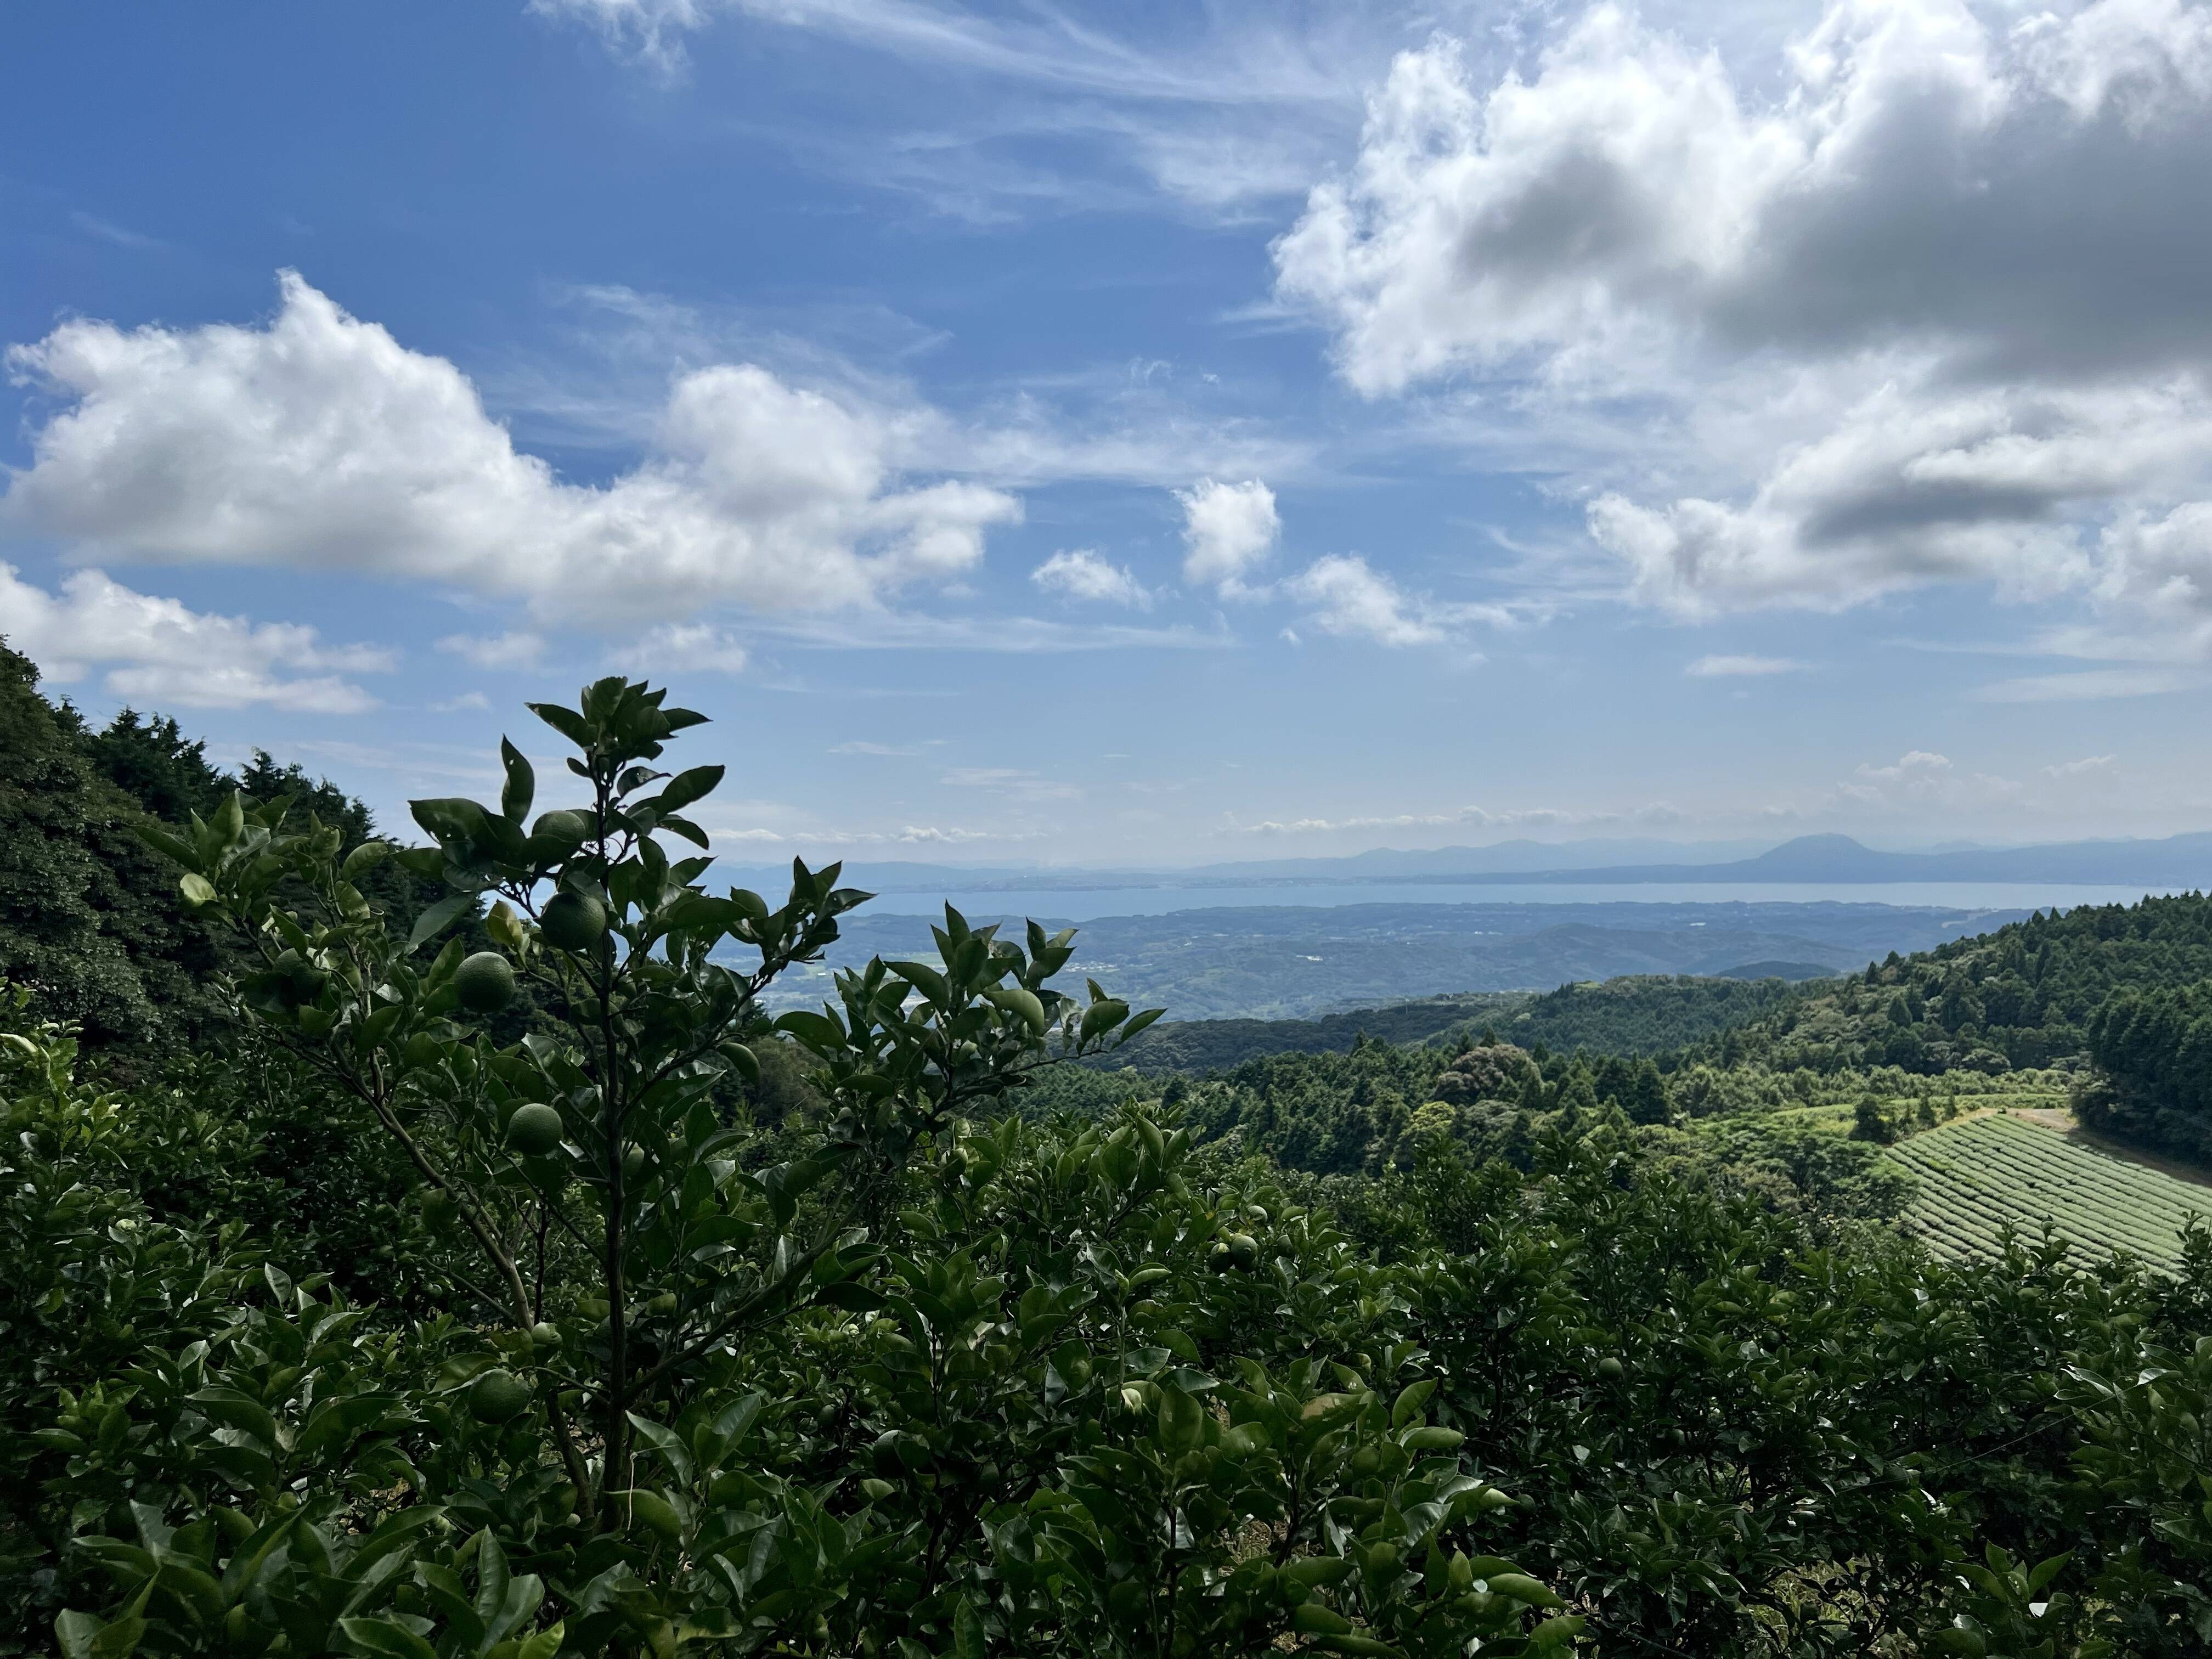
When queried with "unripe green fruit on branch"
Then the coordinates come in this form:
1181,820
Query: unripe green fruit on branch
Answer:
484,982
563,825
534,1130
572,921
498,1396
437,1206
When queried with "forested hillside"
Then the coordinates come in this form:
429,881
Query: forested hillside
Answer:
485,1268
1204,1045
2124,989
2153,1047
90,919
2025,995
1634,1015
1642,1014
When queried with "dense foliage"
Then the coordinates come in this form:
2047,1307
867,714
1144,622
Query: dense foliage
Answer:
89,918
2153,1047
868,1379
1721,1436
1642,1014
91,923
1374,1108
532,1291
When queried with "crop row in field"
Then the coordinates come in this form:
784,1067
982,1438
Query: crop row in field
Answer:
1979,1176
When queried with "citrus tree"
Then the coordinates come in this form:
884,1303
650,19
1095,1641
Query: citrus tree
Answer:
606,1137
905,1378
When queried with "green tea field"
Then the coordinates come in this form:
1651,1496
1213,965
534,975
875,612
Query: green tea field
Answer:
1979,1174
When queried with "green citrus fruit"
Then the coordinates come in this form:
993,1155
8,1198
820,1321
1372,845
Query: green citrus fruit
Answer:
534,1130
572,921
437,1206
485,983
1611,1369
632,1161
545,1335
563,825
498,1396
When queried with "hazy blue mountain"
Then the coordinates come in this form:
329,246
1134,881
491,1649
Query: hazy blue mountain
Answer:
1382,864
2183,861
1520,857
2178,860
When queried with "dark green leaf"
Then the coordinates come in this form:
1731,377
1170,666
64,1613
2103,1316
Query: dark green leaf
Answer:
521,786
438,917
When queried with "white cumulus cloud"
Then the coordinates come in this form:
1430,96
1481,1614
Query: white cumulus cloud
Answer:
1228,531
157,650
1907,297
1082,574
1653,813
319,441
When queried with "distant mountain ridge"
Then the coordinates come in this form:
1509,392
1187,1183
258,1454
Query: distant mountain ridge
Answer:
2178,860
2183,861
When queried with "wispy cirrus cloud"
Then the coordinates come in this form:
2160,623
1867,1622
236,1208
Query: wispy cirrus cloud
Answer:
1347,596
1219,110
1742,667
889,750
683,648
1653,814
1014,782
497,651
2093,684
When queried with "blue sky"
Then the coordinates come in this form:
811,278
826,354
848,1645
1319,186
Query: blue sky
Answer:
1141,433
